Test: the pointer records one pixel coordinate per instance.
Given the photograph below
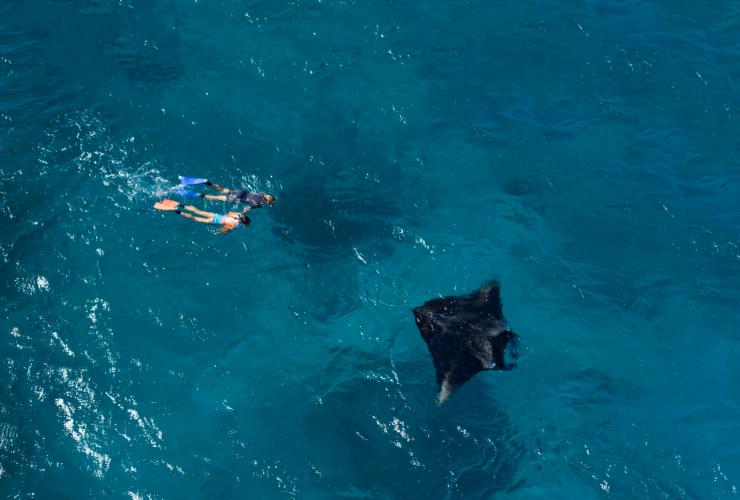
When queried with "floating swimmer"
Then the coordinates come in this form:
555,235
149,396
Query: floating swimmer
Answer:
253,200
228,221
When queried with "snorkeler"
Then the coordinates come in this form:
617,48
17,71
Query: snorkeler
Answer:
228,221
253,200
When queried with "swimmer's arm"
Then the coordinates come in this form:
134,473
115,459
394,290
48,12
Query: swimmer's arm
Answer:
217,187
249,207
225,229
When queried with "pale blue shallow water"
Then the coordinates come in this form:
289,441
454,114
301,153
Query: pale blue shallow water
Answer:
583,153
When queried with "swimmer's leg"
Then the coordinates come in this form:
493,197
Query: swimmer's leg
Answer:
217,197
218,188
197,210
204,220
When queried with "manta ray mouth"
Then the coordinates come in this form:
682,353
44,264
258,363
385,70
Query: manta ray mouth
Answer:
511,352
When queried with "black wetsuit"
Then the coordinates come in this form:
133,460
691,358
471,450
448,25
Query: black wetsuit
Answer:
255,200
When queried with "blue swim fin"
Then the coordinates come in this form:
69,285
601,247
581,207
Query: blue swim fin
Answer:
191,181
185,192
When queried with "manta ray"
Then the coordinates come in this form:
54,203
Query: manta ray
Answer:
465,335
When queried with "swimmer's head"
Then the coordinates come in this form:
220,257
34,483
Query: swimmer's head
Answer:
244,219
269,199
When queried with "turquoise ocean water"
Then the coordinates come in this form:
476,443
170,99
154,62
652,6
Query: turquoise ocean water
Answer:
582,152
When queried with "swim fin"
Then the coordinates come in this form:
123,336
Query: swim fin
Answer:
185,192
167,204
191,181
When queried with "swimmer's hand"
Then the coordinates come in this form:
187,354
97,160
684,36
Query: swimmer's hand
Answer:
247,209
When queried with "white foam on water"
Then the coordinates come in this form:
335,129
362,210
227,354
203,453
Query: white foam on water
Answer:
8,435
402,234
151,432
78,433
101,158
42,283
359,256
96,305
26,286
65,347
400,428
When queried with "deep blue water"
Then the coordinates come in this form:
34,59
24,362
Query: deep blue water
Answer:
585,153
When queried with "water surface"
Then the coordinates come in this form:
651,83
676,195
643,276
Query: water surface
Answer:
583,153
